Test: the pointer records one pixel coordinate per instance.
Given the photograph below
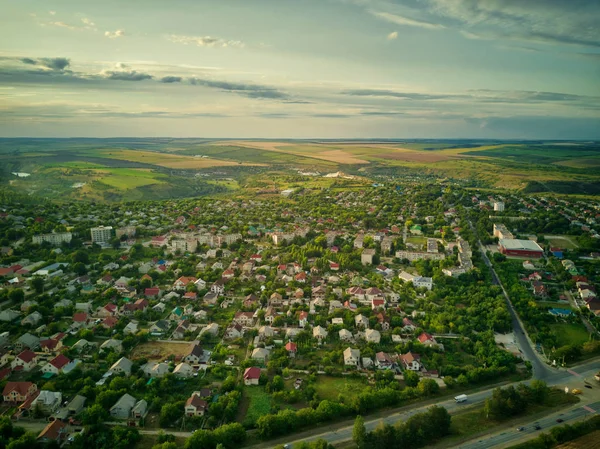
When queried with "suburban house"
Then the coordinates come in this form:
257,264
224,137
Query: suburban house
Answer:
411,361
183,370
47,401
112,345
251,376
427,339
153,369
16,392
291,348
56,365
319,333
361,321
139,409
372,336
25,361
351,357
122,366
195,354
244,318
234,331
122,408
195,405
345,335
383,360
260,354
54,431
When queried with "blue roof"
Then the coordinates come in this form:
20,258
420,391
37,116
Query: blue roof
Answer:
561,312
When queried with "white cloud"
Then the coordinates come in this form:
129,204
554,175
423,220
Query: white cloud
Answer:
88,22
114,34
400,20
393,35
52,13
205,41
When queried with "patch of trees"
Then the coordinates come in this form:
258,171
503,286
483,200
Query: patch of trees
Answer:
512,401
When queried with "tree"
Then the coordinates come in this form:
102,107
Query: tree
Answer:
428,387
95,414
170,414
79,268
37,283
359,432
17,295
411,379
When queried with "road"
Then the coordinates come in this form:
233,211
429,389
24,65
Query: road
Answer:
572,377
514,436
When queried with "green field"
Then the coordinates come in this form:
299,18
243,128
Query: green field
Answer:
563,243
570,334
259,403
129,178
331,387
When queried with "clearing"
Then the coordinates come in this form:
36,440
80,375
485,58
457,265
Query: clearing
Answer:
155,350
255,403
560,241
570,334
331,387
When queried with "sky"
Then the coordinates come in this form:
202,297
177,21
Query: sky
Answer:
500,69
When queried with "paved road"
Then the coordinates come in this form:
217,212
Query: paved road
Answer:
513,436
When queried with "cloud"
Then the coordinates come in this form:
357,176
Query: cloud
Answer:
571,22
401,20
114,34
65,25
205,41
170,79
392,94
393,35
246,90
52,13
58,64
88,22
127,75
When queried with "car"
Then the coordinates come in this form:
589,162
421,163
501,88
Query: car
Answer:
521,429
537,426
588,386
576,391
559,420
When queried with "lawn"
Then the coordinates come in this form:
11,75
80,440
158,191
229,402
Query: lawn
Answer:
562,242
331,387
570,334
258,403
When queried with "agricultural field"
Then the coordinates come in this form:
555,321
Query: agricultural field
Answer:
155,350
255,403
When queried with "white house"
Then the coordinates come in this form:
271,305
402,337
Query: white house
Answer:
372,336
351,357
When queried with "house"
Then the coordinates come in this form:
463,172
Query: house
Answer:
270,315
195,354
131,328
80,320
291,348
411,361
122,408
32,319
17,392
25,361
108,310
234,331
9,315
195,406
54,431
367,256
345,335
47,401
153,369
383,361
252,376
160,327
319,333
139,409
211,329
109,322
27,341
351,357
427,339
244,318
56,365
266,332
408,325
122,366
372,336
51,344
76,405
383,321
361,321
183,282
218,287
152,292
112,345
260,354
183,370
81,345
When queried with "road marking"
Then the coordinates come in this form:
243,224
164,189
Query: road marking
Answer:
570,371
589,409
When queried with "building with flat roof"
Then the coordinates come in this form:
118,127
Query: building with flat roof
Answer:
101,234
55,238
520,248
502,232
499,206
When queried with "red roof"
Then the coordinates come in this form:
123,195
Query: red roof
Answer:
80,317
20,387
27,356
110,322
53,431
4,373
425,336
49,343
290,346
252,373
152,291
60,361
196,401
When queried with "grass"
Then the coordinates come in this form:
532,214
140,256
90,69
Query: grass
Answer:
331,387
259,403
129,178
570,334
562,242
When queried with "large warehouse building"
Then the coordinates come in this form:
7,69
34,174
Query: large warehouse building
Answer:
521,248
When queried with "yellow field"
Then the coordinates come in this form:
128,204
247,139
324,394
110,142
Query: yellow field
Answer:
154,350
